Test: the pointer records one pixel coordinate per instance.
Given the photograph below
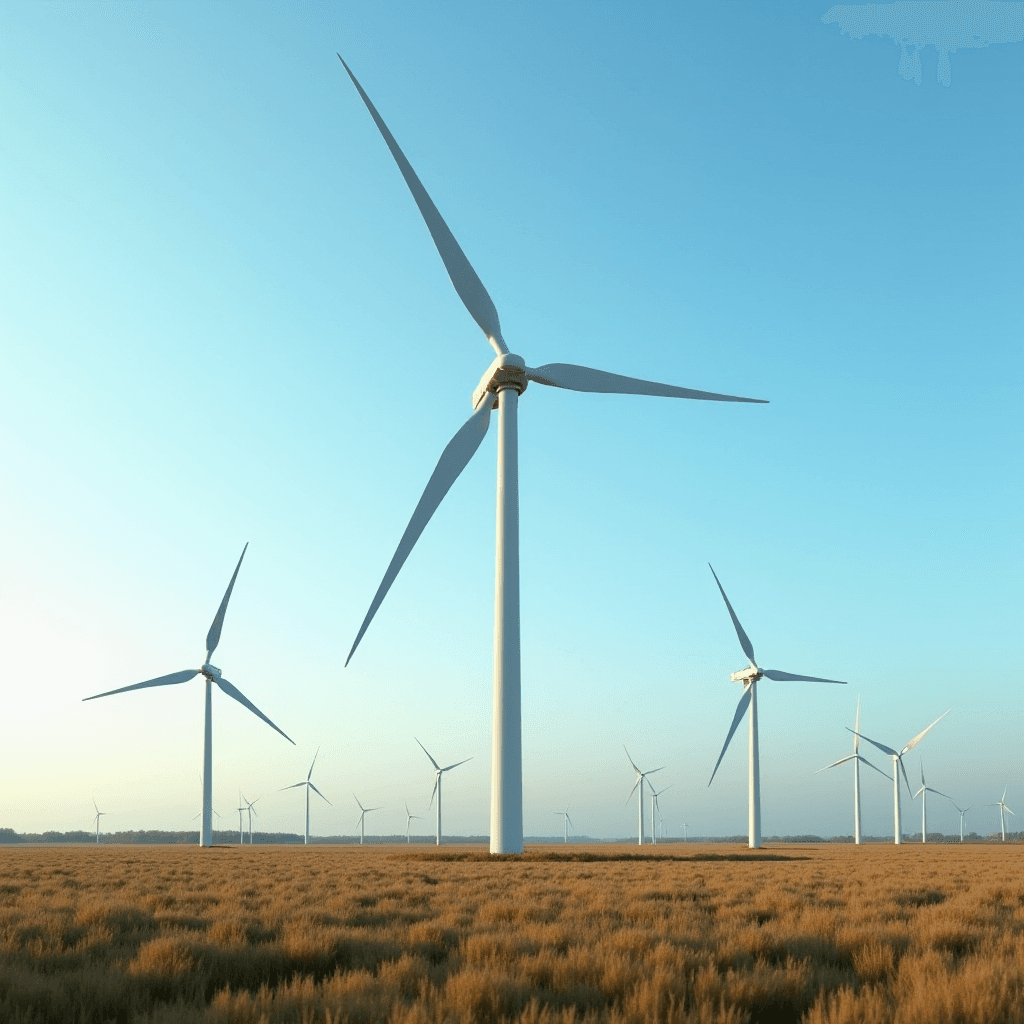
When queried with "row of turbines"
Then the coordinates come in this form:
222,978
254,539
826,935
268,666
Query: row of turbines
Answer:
500,388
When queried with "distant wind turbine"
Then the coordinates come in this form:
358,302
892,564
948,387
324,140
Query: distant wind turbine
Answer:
408,821
656,812
241,811
99,814
438,772
309,786
923,794
252,810
362,817
566,823
856,758
640,777
211,674
1002,807
897,767
749,677
500,387
962,811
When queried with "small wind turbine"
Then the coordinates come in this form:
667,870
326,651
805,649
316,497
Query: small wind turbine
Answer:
856,758
309,786
685,832
408,821
749,677
500,387
365,811
211,674
438,772
566,823
640,777
962,811
99,814
1002,807
252,810
923,794
656,812
241,811
897,767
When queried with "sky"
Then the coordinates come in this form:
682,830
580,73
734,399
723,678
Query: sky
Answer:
224,321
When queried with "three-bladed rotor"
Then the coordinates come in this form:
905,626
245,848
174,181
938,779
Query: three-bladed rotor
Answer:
898,755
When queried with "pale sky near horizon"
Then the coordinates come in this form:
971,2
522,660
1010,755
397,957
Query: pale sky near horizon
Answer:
223,320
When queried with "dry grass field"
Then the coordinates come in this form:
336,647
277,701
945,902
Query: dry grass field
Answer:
680,933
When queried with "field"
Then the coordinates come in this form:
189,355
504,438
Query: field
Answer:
837,934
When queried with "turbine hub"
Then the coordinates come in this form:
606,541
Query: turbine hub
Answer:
210,671
507,371
750,674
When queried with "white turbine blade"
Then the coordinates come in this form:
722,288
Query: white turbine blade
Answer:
368,809
856,728
469,287
632,762
283,788
406,802
881,746
427,752
583,378
315,756
232,691
904,770
923,789
213,637
864,760
456,765
788,677
361,807
639,781
454,459
946,795
95,808
736,719
1005,788
568,819
318,793
748,647
437,779
843,760
1008,811
920,736
172,680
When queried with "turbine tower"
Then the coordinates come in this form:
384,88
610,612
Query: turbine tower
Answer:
566,823
408,821
640,777
655,812
962,811
362,817
438,772
856,758
309,786
1002,807
749,677
897,767
500,387
211,674
99,814
923,794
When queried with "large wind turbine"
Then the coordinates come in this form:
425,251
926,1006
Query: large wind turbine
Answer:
99,814
897,767
438,772
566,823
362,817
749,677
923,794
640,777
408,821
655,812
211,674
500,387
1002,807
309,786
856,758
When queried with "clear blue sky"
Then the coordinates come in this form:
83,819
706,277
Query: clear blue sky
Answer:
223,320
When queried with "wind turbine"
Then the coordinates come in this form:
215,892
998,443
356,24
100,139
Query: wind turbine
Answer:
685,832
500,387
408,821
566,823
640,776
923,794
1002,807
438,772
309,786
211,674
856,758
897,767
962,811
362,816
749,677
241,811
252,810
99,814
655,812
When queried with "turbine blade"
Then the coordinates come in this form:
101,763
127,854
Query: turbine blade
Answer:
361,807
852,757
568,819
172,680
1005,808
917,739
318,793
427,752
736,719
469,287
870,765
788,677
631,761
639,780
881,746
315,756
946,795
213,637
748,647
232,691
283,788
456,765
437,779
583,378
923,789
856,728
904,770
454,459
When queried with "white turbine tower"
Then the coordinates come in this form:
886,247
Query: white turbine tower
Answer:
749,677
211,674
923,794
408,821
963,811
566,823
856,758
897,767
309,786
362,817
640,777
252,810
1002,807
655,812
99,814
438,772
241,811
500,387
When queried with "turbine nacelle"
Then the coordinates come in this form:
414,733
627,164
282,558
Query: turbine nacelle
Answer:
211,672
750,674
507,371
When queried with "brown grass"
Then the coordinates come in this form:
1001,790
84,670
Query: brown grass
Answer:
823,935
